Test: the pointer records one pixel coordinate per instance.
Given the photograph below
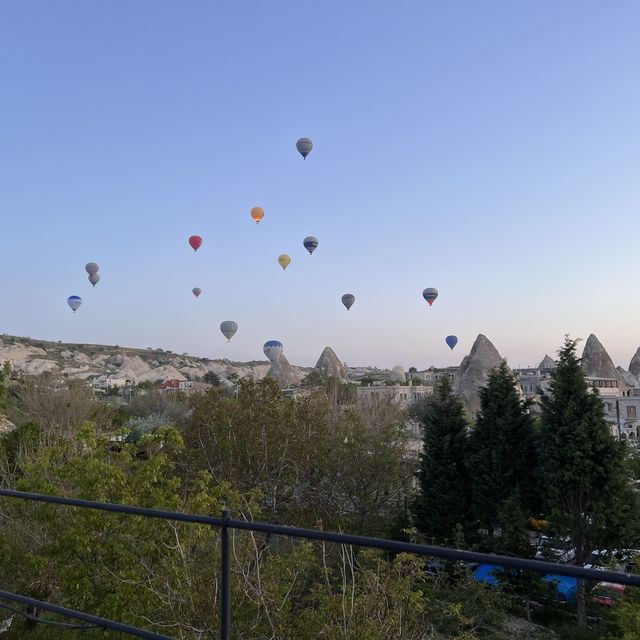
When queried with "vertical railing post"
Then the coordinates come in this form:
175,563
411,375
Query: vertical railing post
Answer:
225,600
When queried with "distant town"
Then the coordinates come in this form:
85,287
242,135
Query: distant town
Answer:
118,374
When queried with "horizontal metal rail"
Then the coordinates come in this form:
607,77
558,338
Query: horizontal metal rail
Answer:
539,566
225,523
85,617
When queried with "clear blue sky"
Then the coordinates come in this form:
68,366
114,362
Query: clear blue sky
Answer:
488,148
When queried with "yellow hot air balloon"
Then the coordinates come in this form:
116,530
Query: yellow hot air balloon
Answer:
284,260
257,213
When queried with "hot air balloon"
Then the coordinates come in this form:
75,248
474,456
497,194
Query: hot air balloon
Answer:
284,260
228,328
257,213
304,146
452,341
348,299
91,268
196,291
430,294
195,242
94,278
74,302
272,349
310,244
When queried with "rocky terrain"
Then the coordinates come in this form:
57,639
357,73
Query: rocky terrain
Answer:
101,363
104,364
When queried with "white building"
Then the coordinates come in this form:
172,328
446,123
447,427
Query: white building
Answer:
402,395
623,414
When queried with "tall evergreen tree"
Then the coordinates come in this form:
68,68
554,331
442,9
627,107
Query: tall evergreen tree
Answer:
582,469
443,499
501,453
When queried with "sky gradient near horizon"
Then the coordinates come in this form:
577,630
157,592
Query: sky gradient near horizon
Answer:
490,149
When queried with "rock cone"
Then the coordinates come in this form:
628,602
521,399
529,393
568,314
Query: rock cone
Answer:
474,371
283,373
330,366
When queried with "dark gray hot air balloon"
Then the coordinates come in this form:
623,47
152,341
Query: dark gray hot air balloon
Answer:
430,294
228,328
348,299
94,278
304,146
91,268
310,243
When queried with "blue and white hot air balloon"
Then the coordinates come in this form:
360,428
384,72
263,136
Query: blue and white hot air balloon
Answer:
451,341
273,349
310,243
74,302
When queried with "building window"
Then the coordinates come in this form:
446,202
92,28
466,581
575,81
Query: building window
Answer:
609,406
631,411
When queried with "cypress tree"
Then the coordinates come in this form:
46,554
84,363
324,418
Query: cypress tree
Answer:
443,498
582,469
501,453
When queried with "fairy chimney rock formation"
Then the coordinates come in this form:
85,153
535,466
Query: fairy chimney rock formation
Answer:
596,362
634,365
329,366
283,373
474,371
547,363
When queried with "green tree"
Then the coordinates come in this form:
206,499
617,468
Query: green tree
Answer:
442,502
311,463
5,375
583,479
501,454
624,619
211,377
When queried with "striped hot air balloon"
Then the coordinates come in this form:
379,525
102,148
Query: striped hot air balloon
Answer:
310,244
229,329
348,299
304,146
430,294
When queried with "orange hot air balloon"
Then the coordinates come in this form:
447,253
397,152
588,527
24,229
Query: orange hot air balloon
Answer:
284,260
257,213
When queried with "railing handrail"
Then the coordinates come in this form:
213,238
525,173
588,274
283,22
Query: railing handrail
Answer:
225,523
539,566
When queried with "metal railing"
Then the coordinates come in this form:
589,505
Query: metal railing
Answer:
225,523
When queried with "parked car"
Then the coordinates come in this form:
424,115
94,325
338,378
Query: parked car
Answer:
607,593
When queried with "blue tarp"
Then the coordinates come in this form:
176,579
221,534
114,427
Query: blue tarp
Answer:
566,586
